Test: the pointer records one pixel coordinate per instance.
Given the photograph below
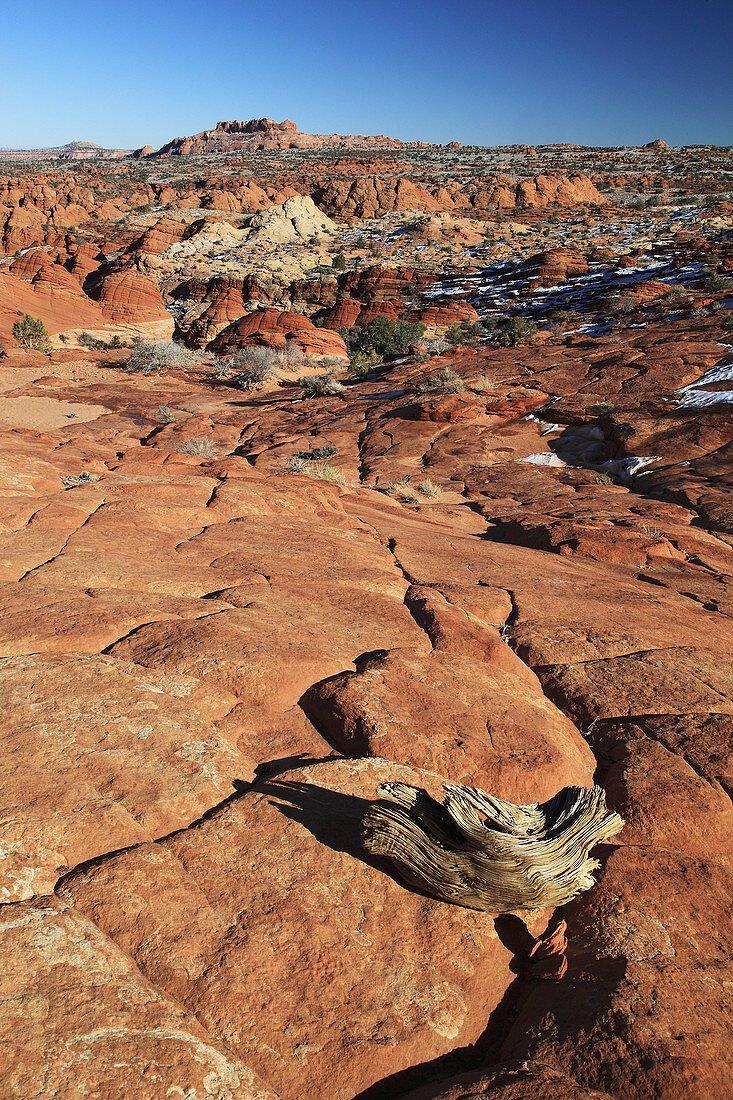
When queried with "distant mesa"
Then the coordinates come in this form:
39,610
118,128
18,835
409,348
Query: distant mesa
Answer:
656,144
73,150
266,133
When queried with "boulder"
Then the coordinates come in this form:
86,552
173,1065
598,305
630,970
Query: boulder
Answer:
274,328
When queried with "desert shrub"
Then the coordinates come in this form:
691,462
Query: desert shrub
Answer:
364,362
86,340
252,366
198,446
321,471
320,385
384,336
396,488
84,478
428,488
293,355
621,305
3,352
727,322
516,331
30,332
148,358
445,381
464,333
677,294
318,454
604,479
483,383
166,415
436,346
339,262
718,282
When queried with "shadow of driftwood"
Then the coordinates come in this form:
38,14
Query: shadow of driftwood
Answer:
334,819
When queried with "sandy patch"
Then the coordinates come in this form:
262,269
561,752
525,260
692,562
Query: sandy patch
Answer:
13,377
44,414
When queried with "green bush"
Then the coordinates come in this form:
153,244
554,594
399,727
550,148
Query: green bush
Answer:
364,362
86,340
461,334
384,336
718,282
30,332
516,331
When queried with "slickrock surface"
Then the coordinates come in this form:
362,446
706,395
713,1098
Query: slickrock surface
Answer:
228,614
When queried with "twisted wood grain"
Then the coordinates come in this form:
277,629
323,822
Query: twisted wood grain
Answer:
484,853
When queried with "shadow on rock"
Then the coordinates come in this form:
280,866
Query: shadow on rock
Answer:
334,819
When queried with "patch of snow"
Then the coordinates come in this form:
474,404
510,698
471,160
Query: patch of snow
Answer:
543,460
692,397
545,426
626,469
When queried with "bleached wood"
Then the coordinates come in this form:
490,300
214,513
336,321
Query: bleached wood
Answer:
484,853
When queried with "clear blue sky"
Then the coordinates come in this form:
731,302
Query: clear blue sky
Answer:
125,73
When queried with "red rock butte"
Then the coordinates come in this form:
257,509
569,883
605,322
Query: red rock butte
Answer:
265,133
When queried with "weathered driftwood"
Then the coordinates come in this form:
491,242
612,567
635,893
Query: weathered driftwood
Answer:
484,853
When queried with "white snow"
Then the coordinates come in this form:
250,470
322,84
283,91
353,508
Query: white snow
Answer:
543,460
692,397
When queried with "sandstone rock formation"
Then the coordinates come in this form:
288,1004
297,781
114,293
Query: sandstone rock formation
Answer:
129,297
272,328
262,133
